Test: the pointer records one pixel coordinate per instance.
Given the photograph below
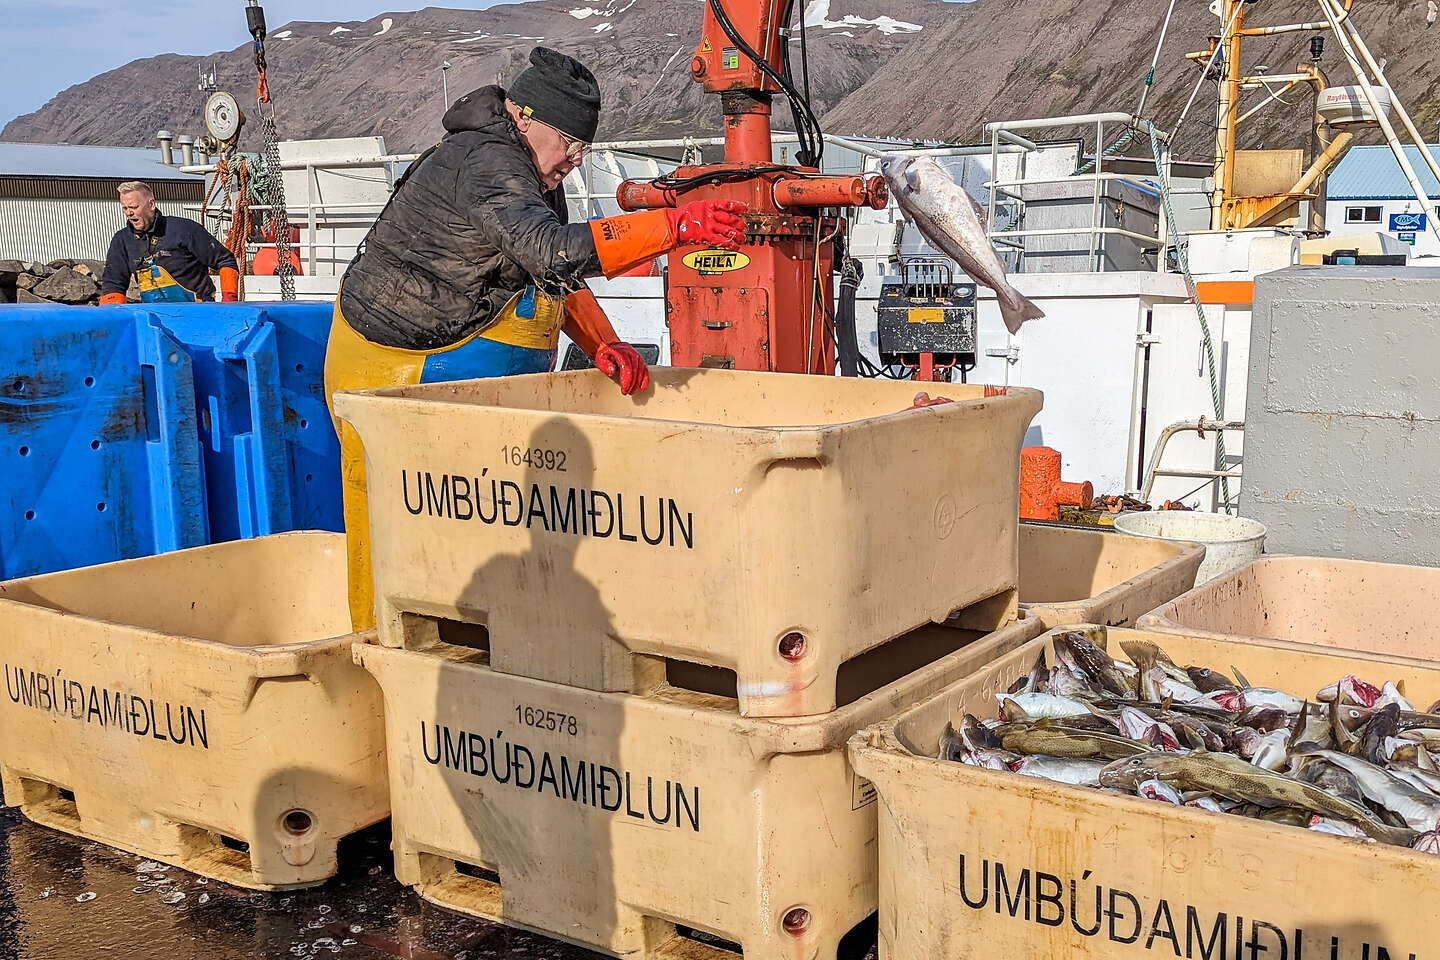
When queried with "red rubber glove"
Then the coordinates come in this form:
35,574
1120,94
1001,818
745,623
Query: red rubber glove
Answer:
714,223
228,297
623,362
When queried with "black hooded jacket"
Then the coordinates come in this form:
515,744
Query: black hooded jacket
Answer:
470,226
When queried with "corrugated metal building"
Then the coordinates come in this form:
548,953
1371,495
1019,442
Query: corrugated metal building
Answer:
1371,173
58,200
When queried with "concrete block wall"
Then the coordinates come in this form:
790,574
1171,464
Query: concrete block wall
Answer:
1342,435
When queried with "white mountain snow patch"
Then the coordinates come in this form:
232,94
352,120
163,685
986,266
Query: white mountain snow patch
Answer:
583,12
603,27
282,35
385,26
339,30
817,11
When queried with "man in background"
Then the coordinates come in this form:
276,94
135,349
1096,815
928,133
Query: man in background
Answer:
170,258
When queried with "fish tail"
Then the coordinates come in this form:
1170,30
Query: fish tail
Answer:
1016,309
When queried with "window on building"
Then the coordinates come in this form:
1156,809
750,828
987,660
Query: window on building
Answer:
1362,214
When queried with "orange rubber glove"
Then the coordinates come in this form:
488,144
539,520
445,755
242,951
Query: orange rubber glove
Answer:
229,285
587,325
111,299
631,239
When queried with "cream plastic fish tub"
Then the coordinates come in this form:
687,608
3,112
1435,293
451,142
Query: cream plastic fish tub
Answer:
622,822
201,708
773,525
982,864
1384,608
1094,576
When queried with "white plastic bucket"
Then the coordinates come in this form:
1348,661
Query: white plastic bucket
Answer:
1229,541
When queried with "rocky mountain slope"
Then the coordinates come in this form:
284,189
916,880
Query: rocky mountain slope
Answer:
383,75
1014,59
907,68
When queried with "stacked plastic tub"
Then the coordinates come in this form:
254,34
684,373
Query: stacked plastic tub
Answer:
1385,608
623,641
200,707
1079,575
983,863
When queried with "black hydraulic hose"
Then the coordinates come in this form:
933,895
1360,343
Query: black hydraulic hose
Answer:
810,143
847,343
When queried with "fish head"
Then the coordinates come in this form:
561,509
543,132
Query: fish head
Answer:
975,735
1244,741
909,175
893,167
1209,681
1129,773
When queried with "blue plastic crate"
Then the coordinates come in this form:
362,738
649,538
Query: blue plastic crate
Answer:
272,461
127,431
99,455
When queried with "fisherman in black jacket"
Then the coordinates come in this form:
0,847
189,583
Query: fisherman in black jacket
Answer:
170,258
473,269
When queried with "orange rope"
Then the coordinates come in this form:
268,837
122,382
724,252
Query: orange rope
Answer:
242,221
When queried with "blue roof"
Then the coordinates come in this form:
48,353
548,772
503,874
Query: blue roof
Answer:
1371,173
66,160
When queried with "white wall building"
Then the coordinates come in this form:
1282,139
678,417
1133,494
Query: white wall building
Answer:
1368,193
59,200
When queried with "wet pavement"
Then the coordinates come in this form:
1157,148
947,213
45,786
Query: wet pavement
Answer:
63,898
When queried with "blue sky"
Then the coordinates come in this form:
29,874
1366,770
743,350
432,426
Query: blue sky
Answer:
52,46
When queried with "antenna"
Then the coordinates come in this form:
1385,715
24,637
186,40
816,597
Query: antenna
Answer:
207,82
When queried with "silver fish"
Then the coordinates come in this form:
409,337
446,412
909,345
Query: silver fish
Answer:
1337,827
1419,810
1044,706
951,220
989,758
1075,771
1157,790
1273,751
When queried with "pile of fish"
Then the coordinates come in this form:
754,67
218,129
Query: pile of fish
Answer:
1357,760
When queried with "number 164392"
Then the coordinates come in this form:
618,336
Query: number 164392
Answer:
535,458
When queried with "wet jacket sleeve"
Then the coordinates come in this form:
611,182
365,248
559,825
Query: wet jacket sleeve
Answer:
209,251
116,278
511,212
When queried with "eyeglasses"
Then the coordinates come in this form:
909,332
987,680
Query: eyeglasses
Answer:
575,150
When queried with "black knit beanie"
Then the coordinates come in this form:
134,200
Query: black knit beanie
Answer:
560,91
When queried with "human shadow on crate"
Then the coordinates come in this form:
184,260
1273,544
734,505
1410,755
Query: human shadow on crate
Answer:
537,794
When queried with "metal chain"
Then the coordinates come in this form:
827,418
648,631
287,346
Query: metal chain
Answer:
278,220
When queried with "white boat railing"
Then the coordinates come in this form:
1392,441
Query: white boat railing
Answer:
331,231
1007,134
